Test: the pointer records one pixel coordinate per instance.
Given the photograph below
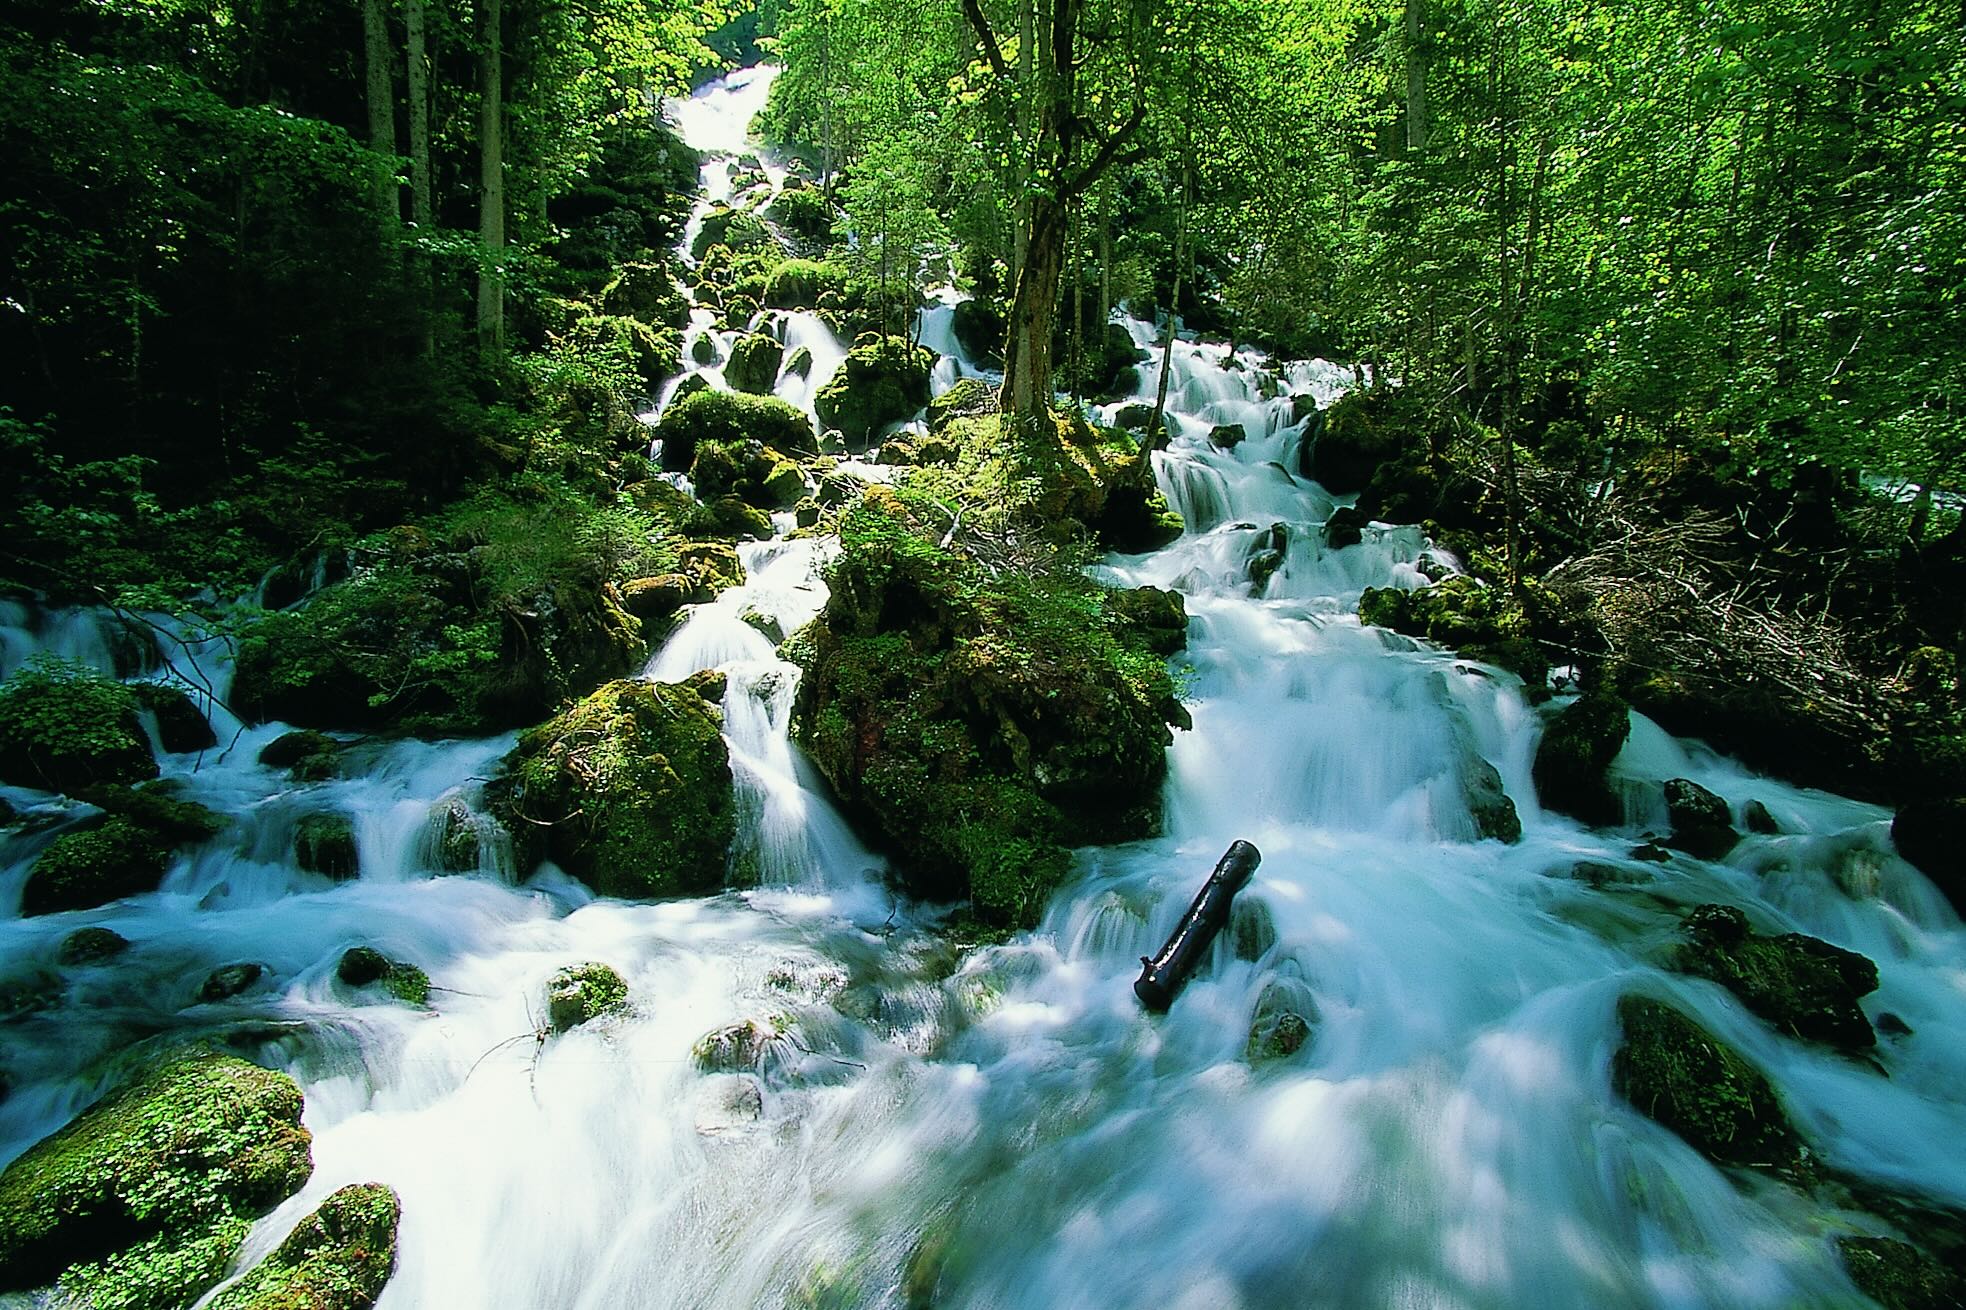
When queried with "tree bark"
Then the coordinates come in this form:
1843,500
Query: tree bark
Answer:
1155,434
491,177
1416,75
381,92
419,92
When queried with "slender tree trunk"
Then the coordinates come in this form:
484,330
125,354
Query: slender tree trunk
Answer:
1077,356
421,214
1021,170
1105,253
1505,327
491,176
1155,433
381,93
1416,75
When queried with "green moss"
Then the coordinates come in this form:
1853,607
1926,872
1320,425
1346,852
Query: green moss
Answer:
731,416
363,966
581,992
967,398
804,210
800,283
753,363
144,1198
733,1048
308,755
1479,622
63,726
87,946
181,725
338,1258
652,353
1578,745
1804,986
1899,1276
1677,1072
628,789
735,229
877,384
80,869
325,844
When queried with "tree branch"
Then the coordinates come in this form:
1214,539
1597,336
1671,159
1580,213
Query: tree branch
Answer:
1109,150
973,10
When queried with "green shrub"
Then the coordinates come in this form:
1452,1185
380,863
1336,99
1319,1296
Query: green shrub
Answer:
63,726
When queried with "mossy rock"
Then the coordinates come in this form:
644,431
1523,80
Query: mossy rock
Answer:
1578,745
157,808
1899,1276
325,844
142,1201
653,353
628,790
364,966
801,283
1701,824
63,726
455,836
90,946
802,209
1488,802
1283,1022
1675,1071
1361,431
1159,617
748,470
876,385
1804,986
114,859
1476,621
230,980
308,756
734,1048
580,993
181,726
732,416
736,229
753,363
1786,735
646,291
338,1258
1345,527
980,328
712,567
967,398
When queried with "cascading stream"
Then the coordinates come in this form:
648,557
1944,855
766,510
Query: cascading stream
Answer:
1006,1126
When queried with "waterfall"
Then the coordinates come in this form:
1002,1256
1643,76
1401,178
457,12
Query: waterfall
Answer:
1005,1125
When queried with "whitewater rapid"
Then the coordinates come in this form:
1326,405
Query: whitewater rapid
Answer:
1005,1127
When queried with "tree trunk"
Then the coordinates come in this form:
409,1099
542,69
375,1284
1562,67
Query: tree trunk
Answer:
419,92
1027,348
1155,434
491,177
1416,75
381,93
1505,326
1105,253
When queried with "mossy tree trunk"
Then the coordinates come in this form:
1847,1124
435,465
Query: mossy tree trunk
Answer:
491,176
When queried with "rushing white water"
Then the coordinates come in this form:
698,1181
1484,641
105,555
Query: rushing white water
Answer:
1006,1127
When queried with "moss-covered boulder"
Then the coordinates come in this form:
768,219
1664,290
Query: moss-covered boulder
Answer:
1281,1025
181,726
1899,1276
732,416
981,723
142,1201
1345,527
753,363
1675,1071
980,326
89,946
1156,619
1488,801
712,568
338,1258
158,807
734,1048
645,290
94,866
325,843
308,756
736,229
1701,824
879,383
748,470
653,353
1578,745
63,726
364,966
801,283
801,208
583,992
628,790
1476,621
1361,430
456,837
967,398
1802,985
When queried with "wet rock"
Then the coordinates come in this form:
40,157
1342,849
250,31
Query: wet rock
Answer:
804,284
806,512
454,829
117,858
1675,1071
764,624
1892,1026
228,981
783,486
1803,986
968,398
1649,853
1345,527
1488,802
877,385
325,844
181,725
1282,1022
979,327
1266,555
1758,820
689,386
753,363
1458,612
728,1102
798,364
363,966
157,808
86,946
628,790
732,517
1701,824
64,727
581,993
33,992
1227,436
704,350
1159,616
1899,1276
1252,929
1577,748
653,600
308,755
338,1258
9,816
1931,834
735,1047
143,1199
1360,432
732,416
712,568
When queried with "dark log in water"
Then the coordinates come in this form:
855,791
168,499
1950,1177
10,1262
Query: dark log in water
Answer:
1163,975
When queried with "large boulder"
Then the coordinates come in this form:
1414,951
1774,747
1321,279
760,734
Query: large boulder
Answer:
730,416
181,725
63,726
628,789
1461,613
799,283
324,843
879,383
365,966
753,363
583,992
1361,431
1577,748
338,1258
94,866
967,398
981,723
748,470
1675,1071
1701,824
801,208
142,1201
1802,985
979,326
